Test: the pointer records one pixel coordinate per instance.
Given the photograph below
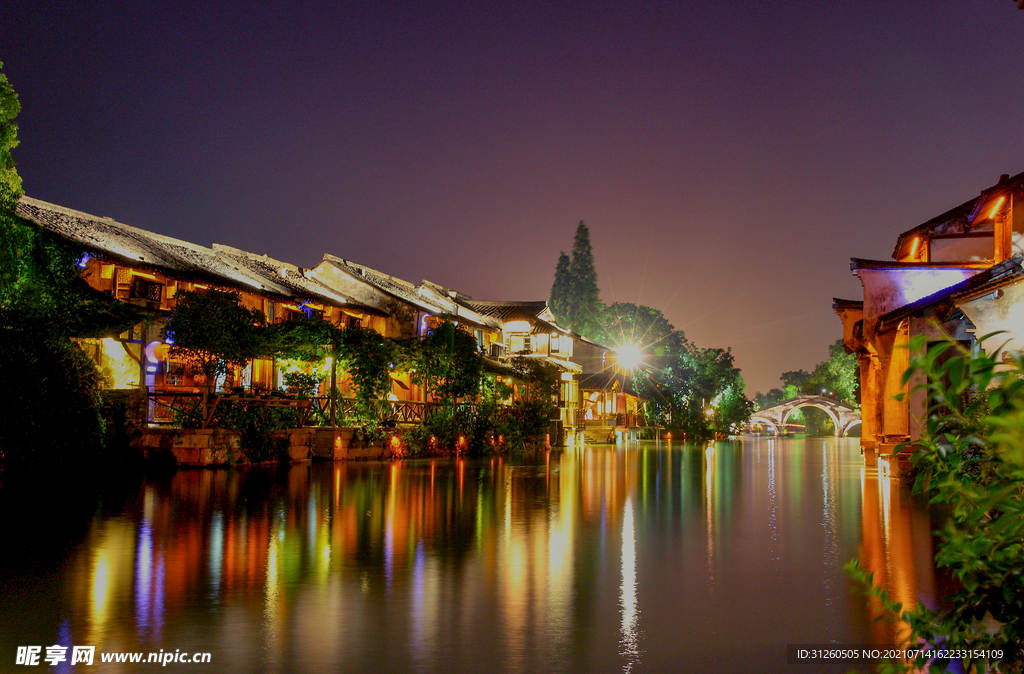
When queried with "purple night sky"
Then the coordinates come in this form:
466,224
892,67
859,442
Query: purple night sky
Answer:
729,157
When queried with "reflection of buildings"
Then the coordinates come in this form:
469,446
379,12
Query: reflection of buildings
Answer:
525,559
896,547
280,552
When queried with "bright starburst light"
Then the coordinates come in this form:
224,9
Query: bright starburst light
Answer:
630,356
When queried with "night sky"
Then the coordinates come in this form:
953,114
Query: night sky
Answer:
729,157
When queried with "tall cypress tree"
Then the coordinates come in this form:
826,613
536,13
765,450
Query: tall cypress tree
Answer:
584,307
561,289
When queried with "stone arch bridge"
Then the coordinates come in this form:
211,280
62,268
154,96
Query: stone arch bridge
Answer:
775,417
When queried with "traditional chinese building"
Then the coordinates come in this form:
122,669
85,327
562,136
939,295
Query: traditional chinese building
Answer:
959,275
150,270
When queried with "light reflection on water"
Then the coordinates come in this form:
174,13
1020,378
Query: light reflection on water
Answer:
726,553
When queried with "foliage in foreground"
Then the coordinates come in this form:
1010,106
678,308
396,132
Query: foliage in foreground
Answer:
971,463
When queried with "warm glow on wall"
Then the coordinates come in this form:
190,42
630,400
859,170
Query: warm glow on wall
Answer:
119,368
517,326
913,246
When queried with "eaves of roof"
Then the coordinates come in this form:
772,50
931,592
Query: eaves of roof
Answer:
397,288
531,311
964,210
508,311
605,381
457,305
1006,272
140,248
839,304
293,278
857,264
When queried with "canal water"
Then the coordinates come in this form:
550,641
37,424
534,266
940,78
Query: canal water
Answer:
652,557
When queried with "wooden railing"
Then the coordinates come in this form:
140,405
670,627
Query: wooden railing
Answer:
175,408
178,408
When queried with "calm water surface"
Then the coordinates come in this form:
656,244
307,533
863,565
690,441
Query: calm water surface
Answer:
653,557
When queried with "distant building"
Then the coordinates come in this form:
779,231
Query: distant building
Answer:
958,274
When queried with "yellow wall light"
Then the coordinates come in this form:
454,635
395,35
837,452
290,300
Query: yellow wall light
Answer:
995,209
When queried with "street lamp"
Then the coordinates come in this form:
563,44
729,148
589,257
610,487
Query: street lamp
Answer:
630,356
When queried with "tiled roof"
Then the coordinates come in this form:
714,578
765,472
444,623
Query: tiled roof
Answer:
456,304
176,258
446,292
291,277
858,263
509,311
605,381
396,287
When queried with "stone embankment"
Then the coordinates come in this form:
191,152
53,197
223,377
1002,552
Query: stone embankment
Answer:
221,447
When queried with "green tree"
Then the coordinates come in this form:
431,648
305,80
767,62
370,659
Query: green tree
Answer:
731,406
446,363
212,332
311,340
10,181
642,326
367,356
837,375
49,383
775,395
970,462
583,309
561,290
794,382
696,391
